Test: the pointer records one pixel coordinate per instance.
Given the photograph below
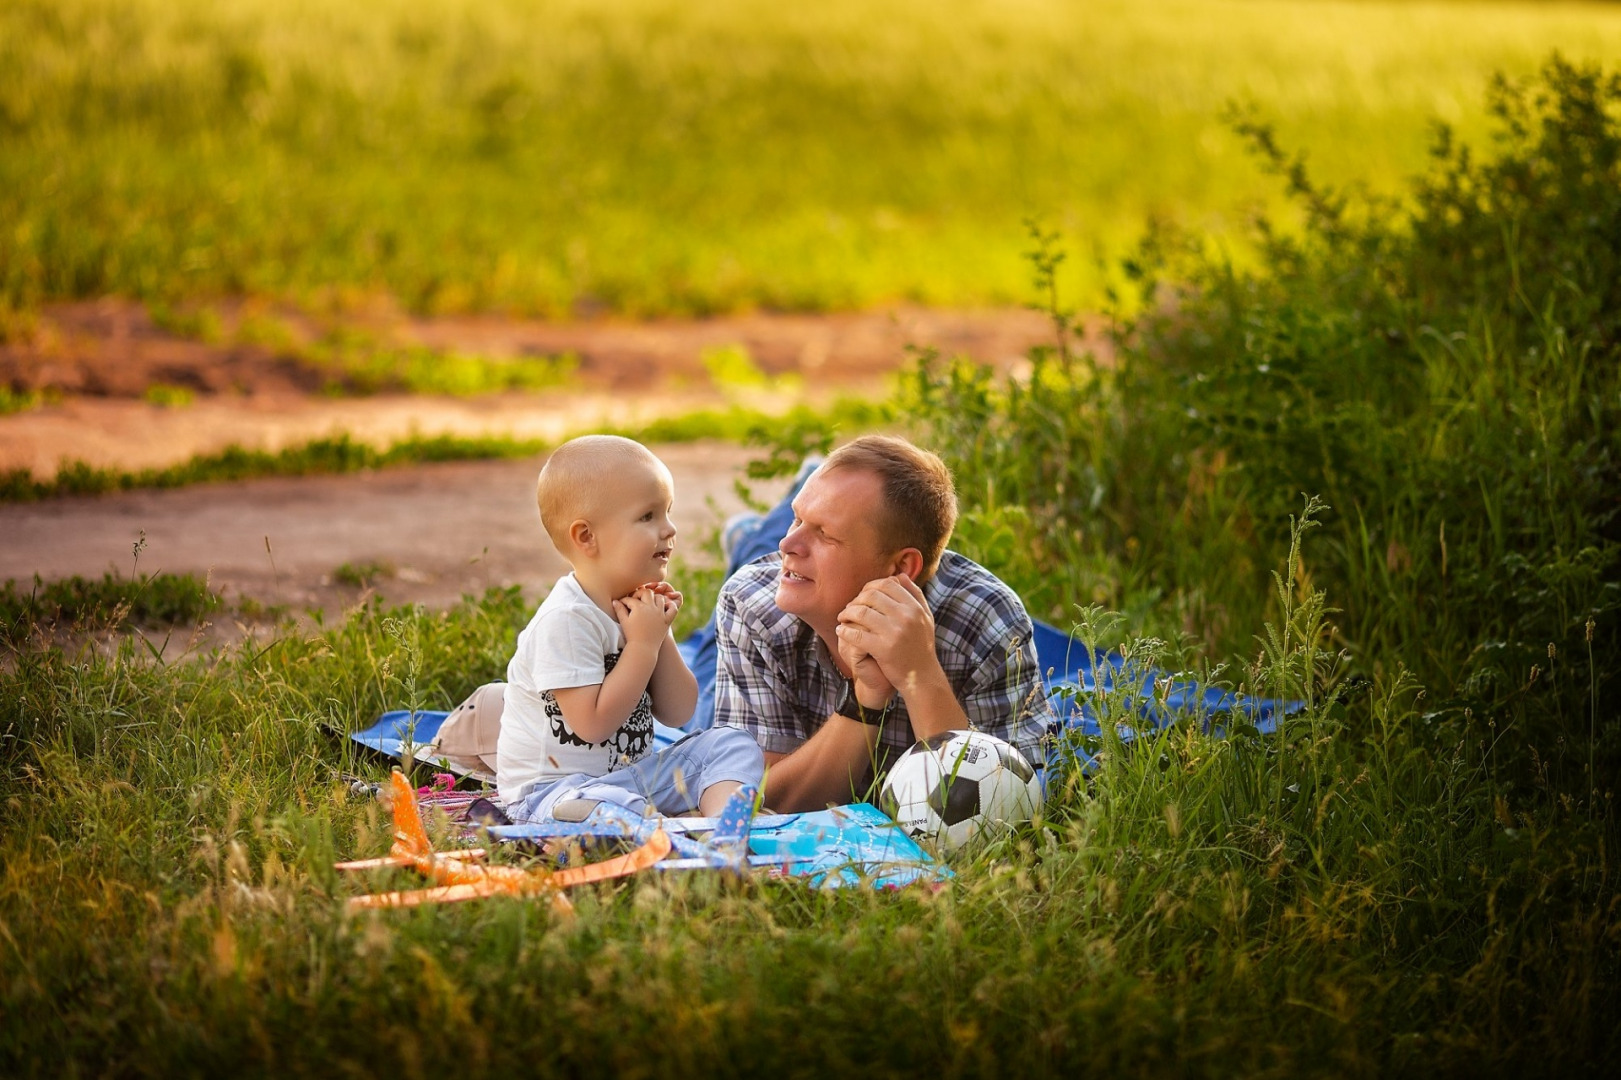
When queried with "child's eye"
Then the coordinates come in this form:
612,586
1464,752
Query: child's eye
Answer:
648,516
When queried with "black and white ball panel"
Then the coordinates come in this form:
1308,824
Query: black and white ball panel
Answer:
952,786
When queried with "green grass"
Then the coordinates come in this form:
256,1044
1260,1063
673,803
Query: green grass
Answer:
12,401
363,575
655,157
347,359
1324,901
112,602
355,362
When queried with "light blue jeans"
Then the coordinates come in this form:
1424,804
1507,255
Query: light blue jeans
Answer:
668,781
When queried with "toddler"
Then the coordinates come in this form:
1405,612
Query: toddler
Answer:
597,662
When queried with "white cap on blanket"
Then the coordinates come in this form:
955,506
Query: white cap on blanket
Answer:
470,732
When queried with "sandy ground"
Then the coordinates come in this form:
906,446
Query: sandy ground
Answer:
94,362
438,531
130,435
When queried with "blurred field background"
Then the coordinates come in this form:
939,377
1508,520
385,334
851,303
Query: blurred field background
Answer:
648,157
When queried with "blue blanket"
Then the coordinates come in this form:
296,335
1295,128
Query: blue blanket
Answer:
1076,680
834,848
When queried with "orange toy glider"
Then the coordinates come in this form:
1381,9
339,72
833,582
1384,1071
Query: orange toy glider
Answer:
463,875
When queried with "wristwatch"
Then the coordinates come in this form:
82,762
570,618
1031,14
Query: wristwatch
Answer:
850,706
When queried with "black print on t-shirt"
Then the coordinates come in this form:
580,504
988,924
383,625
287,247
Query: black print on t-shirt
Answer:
629,744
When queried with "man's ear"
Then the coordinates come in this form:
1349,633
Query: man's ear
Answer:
580,534
909,562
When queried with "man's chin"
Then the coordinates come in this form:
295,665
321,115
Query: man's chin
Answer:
788,599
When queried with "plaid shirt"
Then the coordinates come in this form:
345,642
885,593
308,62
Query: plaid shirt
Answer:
776,680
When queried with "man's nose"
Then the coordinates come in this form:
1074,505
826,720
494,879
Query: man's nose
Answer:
790,543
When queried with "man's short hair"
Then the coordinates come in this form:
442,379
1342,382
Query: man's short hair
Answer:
920,500
574,478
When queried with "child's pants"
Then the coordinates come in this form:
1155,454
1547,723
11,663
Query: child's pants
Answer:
668,781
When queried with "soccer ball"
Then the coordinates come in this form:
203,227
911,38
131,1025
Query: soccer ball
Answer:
956,785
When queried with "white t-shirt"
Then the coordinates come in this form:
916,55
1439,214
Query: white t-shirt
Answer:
570,642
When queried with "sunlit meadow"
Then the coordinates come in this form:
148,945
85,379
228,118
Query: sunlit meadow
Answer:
651,157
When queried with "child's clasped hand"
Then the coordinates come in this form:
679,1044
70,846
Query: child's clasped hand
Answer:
647,614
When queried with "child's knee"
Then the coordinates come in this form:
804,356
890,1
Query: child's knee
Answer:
739,749
732,738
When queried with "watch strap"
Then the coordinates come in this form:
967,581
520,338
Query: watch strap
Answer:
850,706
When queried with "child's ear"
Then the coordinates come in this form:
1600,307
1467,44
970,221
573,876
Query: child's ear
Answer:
582,536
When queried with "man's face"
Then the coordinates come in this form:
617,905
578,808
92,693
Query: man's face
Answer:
833,547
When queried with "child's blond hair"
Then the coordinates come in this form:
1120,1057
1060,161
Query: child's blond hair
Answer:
571,484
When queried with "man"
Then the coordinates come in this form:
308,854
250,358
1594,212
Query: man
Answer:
863,634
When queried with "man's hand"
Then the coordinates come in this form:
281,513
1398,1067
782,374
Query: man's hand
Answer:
889,625
873,688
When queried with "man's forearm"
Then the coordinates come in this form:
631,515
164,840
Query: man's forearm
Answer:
931,703
822,772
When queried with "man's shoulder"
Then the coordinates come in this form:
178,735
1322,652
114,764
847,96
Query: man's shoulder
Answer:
970,603
959,577
751,591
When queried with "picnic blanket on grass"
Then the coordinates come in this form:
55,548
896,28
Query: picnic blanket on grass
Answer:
1087,690
834,848
1078,681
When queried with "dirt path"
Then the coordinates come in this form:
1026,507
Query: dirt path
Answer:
436,531
133,435
96,360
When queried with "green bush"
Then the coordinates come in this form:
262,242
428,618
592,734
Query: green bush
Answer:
1442,370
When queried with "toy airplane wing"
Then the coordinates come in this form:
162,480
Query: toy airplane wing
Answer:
463,875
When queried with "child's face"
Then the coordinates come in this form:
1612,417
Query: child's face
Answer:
635,535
